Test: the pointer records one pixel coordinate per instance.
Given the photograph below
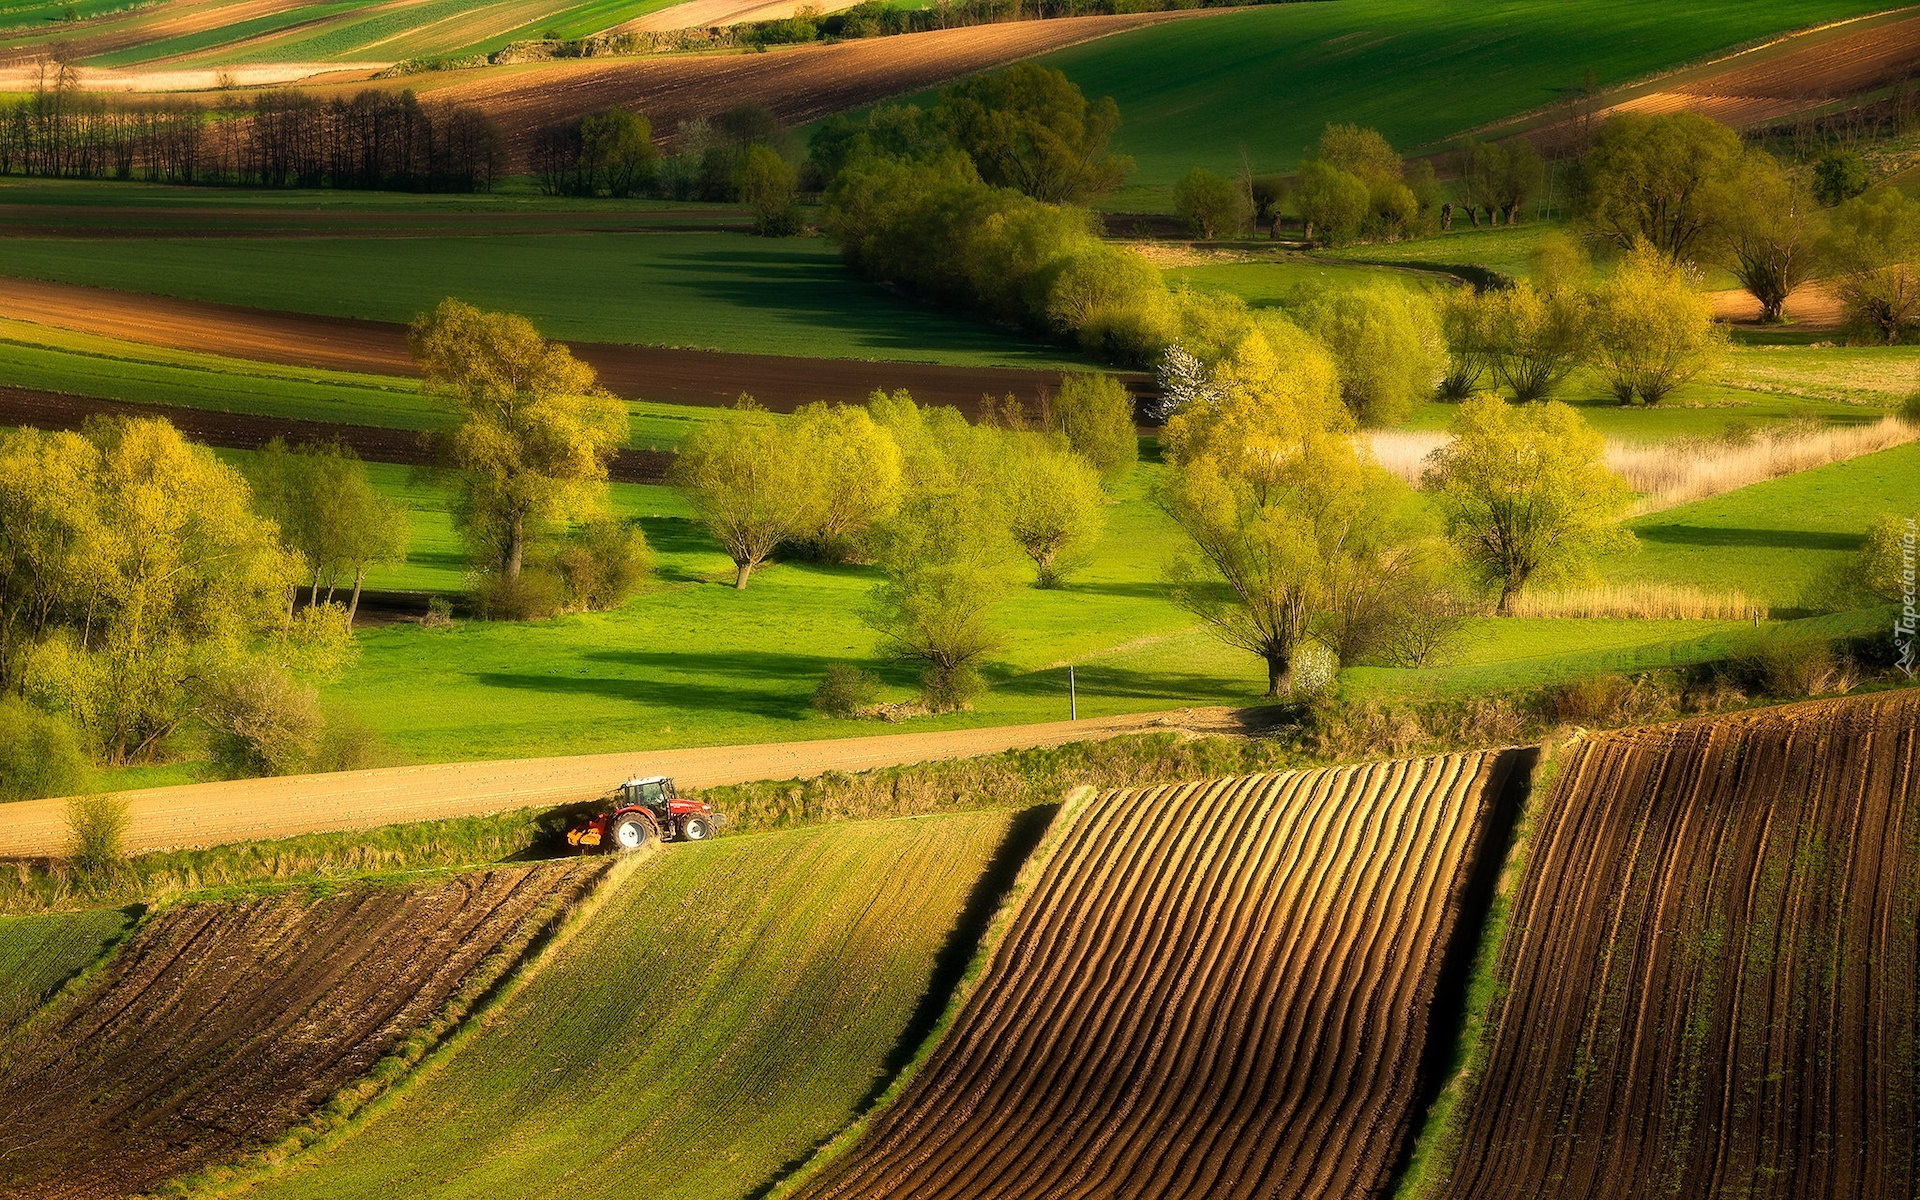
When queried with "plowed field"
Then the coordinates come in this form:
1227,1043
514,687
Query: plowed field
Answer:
800,85
221,1024
1711,980
1234,1004
727,1008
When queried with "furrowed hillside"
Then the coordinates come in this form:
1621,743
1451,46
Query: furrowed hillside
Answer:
1234,1002
1710,988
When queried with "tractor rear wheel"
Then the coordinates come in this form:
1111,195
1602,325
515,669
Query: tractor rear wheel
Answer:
630,833
695,829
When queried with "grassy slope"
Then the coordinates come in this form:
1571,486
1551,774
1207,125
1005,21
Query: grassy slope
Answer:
1775,538
709,291
1199,93
38,954
729,1008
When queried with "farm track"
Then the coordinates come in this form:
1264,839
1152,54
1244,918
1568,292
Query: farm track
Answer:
704,378
209,814
222,1024
1711,982
1236,1005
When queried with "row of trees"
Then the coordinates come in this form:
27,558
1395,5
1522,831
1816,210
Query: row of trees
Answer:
375,139
943,507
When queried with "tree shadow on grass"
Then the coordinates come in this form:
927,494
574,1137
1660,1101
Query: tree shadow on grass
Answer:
1769,539
760,684
1095,680
949,967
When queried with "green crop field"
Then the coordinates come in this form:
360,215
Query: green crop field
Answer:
1263,83
698,290
731,1006
38,954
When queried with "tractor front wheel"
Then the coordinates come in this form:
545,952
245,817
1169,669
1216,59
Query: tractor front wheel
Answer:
695,829
630,833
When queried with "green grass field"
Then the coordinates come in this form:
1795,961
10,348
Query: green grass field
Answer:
1773,539
698,290
732,1005
39,953
1265,82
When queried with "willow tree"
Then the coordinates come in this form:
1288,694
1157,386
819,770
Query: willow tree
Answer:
535,433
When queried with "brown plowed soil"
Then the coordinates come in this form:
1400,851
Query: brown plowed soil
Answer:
1232,1004
223,1024
699,377
800,84
178,18
247,431
1789,75
1710,982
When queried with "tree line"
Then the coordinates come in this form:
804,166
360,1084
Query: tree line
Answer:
374,139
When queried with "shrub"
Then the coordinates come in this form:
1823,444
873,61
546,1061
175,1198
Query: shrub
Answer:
97,834
765,182
1386,344
263,723
603,563
1652,330
1789,663
1910,409
1211,205
1095,412
535,593
846,691
1839,177
40,754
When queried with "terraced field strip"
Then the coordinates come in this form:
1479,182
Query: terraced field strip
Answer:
40,953
729,1006
223,1023
1710,983
1216,989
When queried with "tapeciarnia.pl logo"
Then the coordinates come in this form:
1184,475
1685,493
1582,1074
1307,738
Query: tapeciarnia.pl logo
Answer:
1904,625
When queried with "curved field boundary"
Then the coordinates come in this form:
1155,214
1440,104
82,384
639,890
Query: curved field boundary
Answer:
221,1024
208,814
1217,989
726,1008
1710,980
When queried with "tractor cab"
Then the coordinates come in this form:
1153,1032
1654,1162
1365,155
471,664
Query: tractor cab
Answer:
642,809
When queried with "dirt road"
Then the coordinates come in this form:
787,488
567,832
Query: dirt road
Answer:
700,377
208,814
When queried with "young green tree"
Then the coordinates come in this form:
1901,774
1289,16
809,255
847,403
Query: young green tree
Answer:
164,578
851,475
535,432
747,481
1358,151
1466,325
1211,205
1665,179
1536,336
1839,177
1094,413
329,513
1054,505
1874,242
602,563
944,558
1771,235
1526,494
1652,329
40,754
1333,203
1883,569
1386,344
766,181
1030,128
618,147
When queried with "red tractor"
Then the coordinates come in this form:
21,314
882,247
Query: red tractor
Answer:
641,810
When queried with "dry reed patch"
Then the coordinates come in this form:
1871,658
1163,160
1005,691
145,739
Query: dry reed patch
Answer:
1693,469
1405,452
1646,601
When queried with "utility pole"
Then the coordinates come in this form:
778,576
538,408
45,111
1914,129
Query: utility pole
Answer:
1073,696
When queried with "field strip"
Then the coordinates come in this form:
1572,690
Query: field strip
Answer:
206,814
222,1024
702,378
1216,989
1784,76
1711,986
